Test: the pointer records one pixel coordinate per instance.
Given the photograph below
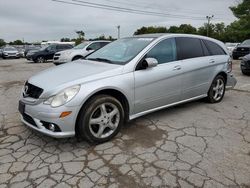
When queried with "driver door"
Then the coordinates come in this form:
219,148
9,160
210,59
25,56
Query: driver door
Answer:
160,85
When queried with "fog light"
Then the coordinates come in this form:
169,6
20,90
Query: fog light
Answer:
52,127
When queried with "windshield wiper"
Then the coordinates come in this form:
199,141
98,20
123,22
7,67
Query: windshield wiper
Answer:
100,59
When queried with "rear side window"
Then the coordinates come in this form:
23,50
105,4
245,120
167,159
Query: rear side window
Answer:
214,48
188,48
164,51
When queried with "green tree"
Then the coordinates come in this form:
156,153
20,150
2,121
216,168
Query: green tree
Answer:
240,28
16,42
65,40
187,28
151,29
2,42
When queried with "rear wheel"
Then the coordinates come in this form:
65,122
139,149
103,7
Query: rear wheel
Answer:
100,119
217,90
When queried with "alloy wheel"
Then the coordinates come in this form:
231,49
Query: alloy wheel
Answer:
104,120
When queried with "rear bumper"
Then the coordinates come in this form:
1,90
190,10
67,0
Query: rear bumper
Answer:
231,81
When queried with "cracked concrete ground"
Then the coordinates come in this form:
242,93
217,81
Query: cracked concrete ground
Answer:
191,145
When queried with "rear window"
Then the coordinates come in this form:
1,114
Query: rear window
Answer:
188,48
214,49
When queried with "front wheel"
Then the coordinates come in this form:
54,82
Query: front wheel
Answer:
100,119
217,90
40,59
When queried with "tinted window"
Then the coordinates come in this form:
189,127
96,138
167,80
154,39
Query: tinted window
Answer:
164,51
214,48
188,48
205,50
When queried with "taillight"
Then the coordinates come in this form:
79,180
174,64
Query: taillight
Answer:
229,65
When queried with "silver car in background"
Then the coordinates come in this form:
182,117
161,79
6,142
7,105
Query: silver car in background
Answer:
128,78
10,52
78,51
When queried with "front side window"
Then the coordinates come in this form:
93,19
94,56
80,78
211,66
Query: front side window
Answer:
164,51
188,48
94,46
120,51
81,46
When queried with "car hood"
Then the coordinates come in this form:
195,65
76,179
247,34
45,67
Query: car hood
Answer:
244,46
77,72
72,51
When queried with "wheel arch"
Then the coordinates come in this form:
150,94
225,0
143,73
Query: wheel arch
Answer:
111,92
224,76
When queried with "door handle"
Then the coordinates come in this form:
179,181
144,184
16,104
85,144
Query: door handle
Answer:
177,67
211,61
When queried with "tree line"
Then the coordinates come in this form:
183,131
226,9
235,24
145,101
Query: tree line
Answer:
237,31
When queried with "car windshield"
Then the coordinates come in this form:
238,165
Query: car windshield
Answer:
10,49
246,42
121,51
81,46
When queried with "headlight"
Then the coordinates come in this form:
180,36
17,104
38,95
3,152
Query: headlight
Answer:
63,97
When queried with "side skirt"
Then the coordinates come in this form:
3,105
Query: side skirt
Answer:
131,117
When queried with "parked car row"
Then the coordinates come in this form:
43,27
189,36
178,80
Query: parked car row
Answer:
63,53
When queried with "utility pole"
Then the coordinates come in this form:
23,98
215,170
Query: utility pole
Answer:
118,27
208,23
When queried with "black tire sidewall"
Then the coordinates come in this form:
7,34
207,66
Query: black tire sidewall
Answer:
85,113
210,92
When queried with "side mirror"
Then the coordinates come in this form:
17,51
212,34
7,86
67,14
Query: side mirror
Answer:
149,63
89,48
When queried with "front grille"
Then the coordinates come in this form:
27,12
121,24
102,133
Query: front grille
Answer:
243,49
32,91
57,55
56,58
29,119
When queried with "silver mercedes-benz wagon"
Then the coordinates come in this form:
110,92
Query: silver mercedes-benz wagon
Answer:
91,98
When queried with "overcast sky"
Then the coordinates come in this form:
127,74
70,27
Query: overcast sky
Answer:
36,20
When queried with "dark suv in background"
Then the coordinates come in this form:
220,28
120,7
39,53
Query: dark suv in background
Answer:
47,52
242,49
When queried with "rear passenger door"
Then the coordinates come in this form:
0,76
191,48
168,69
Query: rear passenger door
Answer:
196,66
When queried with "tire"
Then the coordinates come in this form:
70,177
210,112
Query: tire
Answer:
76,58
105,125
217,90
245,72
40,59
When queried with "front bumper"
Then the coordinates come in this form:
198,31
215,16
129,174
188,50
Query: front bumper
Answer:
35,116
238,54
11,55
231,81
60,60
